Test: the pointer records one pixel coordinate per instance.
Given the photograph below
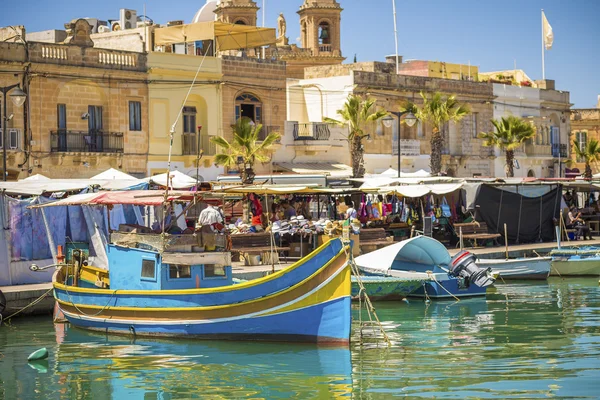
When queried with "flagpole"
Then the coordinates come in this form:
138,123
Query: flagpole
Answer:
396,38
543,48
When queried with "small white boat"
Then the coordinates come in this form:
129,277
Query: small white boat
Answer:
519,268
426,259
576,262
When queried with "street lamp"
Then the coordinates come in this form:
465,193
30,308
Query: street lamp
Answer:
409,120
18,98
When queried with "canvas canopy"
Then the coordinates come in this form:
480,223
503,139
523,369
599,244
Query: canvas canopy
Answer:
38,187
133,197
421,190
226,36
279,189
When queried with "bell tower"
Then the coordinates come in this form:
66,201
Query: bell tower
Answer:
241,12
320,27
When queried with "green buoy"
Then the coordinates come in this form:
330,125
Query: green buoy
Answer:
40,354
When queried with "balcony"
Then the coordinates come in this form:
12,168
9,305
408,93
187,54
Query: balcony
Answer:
189,145
538,150
86,141
559,150
325,48
408,147
311,131
267,130
208,147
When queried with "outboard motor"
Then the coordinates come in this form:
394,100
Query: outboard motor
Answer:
462,266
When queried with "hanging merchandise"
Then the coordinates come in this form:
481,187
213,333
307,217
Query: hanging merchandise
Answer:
446,208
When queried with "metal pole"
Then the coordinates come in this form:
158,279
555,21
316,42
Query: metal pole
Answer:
4,123
399,136
198,155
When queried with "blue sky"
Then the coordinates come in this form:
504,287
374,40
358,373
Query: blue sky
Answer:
491,35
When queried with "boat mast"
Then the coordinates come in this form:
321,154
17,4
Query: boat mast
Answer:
172,133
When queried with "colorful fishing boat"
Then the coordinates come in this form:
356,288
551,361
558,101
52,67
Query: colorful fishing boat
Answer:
534,268
442,276
380,288
575,262
170,285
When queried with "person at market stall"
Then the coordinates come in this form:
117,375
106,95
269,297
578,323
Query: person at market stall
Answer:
288,210
576,222
351,212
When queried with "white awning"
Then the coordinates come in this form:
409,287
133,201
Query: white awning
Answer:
177,180
112,173
332,169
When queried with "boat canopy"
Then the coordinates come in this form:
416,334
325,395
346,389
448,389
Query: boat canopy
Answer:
418,254
134,197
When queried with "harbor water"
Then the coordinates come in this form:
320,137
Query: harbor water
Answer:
524,340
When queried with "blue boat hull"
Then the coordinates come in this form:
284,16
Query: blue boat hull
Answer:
321,322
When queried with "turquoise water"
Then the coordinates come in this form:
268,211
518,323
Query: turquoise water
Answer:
523,341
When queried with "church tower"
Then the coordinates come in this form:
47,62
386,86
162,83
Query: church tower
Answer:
241,12
320,27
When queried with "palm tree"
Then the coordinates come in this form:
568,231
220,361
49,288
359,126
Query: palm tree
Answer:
589,153
356,114
437,110
245,148
508,135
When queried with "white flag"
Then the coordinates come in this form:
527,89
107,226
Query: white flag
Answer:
547,32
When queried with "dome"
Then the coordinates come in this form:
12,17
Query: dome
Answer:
207,12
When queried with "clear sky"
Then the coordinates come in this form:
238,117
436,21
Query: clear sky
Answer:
491,35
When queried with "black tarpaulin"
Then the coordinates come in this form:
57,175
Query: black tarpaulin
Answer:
527,219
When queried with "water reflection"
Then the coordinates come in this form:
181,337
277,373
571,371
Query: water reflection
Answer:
89,365
523,340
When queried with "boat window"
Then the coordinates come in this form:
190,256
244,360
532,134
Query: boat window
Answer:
179,271
214,271
148,268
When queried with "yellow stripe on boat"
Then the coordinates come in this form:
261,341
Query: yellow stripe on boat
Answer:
334,289
187,309
254,282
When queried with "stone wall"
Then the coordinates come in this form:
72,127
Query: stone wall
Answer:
265,79
78,77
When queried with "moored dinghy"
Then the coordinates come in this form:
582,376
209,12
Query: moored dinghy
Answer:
166,285
519,268
443,276
575,262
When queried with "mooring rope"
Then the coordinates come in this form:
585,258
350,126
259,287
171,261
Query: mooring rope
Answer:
362,294
33,303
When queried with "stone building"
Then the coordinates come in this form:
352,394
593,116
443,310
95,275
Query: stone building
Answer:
585,126
86,109
547,110
325,89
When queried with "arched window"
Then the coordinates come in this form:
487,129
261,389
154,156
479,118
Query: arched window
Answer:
240,22
324,33
530,174
248,105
